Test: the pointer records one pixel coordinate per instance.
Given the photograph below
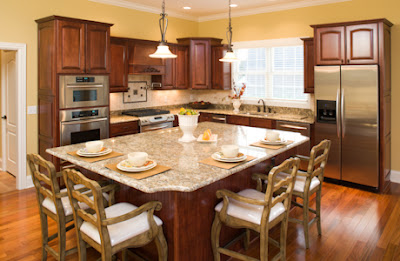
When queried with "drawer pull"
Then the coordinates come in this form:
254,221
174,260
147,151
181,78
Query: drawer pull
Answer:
293,127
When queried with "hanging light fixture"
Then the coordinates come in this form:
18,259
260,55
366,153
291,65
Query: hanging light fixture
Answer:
163,49
229,56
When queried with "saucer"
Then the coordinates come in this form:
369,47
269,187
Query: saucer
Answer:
213,138
126,166
84,153
220,157
278,142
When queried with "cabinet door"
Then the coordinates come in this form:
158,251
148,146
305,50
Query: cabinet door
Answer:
200,59
98,49
70,47
221,72
238,120
330,45
308,65
119,67
168,79
362,44
182,65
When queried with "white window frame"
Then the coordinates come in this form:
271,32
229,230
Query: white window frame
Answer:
268,44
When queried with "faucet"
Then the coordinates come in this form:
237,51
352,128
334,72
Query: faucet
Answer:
258,109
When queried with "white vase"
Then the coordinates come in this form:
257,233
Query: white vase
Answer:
188,124
236,105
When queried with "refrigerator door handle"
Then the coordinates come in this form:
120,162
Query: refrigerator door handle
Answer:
339,118
342,114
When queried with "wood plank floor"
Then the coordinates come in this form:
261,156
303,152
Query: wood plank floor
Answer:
7,182
356,225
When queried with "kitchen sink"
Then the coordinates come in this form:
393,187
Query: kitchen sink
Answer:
258,113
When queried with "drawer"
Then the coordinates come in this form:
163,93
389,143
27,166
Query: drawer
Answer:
262,123
302,128
124,128
238,120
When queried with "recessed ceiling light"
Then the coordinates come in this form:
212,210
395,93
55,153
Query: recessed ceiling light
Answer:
234,5
187,7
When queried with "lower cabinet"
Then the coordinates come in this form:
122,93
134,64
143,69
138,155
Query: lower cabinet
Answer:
124,128
262,123
238,120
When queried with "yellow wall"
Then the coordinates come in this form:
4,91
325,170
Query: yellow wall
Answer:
17,25
295,23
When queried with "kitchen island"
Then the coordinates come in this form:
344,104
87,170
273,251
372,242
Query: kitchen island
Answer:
187,191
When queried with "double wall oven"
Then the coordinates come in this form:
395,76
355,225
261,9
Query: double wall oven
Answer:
84,108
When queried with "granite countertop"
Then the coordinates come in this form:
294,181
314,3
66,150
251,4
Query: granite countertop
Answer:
187,174
122,118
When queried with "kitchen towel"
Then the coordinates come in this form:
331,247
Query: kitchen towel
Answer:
224,165
271,147
112,154
139,175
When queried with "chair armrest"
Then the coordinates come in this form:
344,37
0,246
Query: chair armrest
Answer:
149,206
259,178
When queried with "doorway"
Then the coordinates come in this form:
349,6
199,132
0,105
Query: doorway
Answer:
13,113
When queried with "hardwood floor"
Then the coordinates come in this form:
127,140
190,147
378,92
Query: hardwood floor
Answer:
356,225
7,182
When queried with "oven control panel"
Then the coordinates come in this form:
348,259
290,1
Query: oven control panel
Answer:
84,79
84,114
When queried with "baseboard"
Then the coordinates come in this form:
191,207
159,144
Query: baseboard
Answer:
29,182
395,176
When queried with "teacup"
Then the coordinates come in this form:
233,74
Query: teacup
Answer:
272,136
230,151
94,146
137,159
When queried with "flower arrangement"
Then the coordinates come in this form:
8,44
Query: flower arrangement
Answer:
237,92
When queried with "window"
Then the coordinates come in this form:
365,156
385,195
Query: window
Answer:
271,69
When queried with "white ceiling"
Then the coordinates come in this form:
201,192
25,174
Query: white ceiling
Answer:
205,10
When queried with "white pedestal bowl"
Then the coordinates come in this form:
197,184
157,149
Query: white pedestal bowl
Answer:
188,124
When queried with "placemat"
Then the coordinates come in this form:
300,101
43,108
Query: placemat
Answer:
139,175
113,154
271,147
224,165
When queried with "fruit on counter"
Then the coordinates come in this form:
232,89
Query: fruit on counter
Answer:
207,135
184,111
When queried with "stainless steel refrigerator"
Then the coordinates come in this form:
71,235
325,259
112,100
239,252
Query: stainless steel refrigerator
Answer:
347,113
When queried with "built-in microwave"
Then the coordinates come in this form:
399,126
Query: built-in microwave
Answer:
78,91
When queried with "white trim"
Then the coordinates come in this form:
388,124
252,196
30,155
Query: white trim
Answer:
1,164
253,11
395,176
145,8
21,110
29,182
270,9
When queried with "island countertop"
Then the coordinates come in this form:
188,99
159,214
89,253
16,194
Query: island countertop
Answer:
187,174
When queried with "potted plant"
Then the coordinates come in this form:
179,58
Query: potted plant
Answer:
236,95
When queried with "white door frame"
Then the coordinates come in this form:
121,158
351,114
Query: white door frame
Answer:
21,113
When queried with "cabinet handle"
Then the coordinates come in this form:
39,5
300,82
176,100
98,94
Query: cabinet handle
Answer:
348,60
293,127
342,61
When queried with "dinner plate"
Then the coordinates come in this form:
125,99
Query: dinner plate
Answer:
84,153
278,142
213,138
126,166
220,157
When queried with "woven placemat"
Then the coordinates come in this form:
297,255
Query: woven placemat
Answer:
224,165
271,147
139,175
112,154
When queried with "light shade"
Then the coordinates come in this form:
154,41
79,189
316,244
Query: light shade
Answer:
163,52
229,57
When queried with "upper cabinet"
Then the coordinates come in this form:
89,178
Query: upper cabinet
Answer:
221,72
308,65
348,43
182,67
119,65
82,46
139,60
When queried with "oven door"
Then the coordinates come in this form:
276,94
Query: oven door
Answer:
73,132
83,94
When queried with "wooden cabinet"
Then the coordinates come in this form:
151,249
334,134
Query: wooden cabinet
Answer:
168,79
221,72
139,60
348,43
124,128
362,44
182,67
119,66
238,120
262,123
98,56
308,65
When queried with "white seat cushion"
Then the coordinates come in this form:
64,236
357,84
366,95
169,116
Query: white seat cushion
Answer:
250,212
301,181
121,231
49,204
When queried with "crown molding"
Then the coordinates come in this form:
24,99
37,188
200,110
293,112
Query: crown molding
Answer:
260,10
145,8
270,9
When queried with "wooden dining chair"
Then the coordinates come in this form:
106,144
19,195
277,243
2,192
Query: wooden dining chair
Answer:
113,228
308,183
54,203
254,210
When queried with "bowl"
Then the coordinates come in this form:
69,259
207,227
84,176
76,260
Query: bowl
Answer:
137,159
272,136
199,105
94,146
230,151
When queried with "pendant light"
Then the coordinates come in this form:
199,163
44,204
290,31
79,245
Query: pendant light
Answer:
229,56
163,49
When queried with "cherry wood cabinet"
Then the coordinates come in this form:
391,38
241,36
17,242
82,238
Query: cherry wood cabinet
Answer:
119,66
308,65
182,67
168,80
221,72
362,44
238,120
330,45
262,123
124,128
98,55
139,60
